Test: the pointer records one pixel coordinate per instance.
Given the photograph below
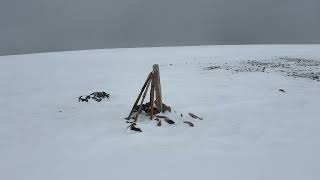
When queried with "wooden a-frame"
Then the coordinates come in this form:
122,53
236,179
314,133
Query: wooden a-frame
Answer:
152,80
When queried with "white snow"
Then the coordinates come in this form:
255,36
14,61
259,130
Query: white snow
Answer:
250,130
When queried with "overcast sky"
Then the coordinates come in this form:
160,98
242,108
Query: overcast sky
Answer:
28,26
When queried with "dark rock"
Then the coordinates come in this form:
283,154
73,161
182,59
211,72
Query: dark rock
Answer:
86,99
169,121
195,116
134,128
212,68
189,123
97,96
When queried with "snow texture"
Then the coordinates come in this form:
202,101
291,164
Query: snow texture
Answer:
250,130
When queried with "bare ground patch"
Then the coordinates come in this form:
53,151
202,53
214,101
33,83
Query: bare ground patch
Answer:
287,66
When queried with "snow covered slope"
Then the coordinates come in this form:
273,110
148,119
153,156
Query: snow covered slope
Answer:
250,130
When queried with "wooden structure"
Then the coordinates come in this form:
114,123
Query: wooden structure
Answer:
155,105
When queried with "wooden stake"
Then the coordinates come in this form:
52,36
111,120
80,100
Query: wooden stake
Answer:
144,95
157,86
139,96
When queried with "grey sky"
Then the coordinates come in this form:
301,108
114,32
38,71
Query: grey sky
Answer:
28,26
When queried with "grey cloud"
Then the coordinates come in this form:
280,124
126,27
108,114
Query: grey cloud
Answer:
28,26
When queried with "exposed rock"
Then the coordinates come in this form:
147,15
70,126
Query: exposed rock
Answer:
97,96
195,116
189,123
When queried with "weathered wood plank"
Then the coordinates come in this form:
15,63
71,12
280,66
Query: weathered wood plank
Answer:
144,95
157,87
152,96
139,96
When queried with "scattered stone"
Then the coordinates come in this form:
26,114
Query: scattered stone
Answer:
189,123
287,66
97,96
134,128
97,99
212,68
86,98
159,121
195,116
169,121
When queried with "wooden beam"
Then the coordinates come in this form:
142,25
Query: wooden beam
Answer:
144,95
139,96
157,86
152,96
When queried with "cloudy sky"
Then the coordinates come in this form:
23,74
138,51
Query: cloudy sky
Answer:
28,26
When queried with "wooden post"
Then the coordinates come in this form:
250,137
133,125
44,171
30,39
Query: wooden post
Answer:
152,96
157,87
